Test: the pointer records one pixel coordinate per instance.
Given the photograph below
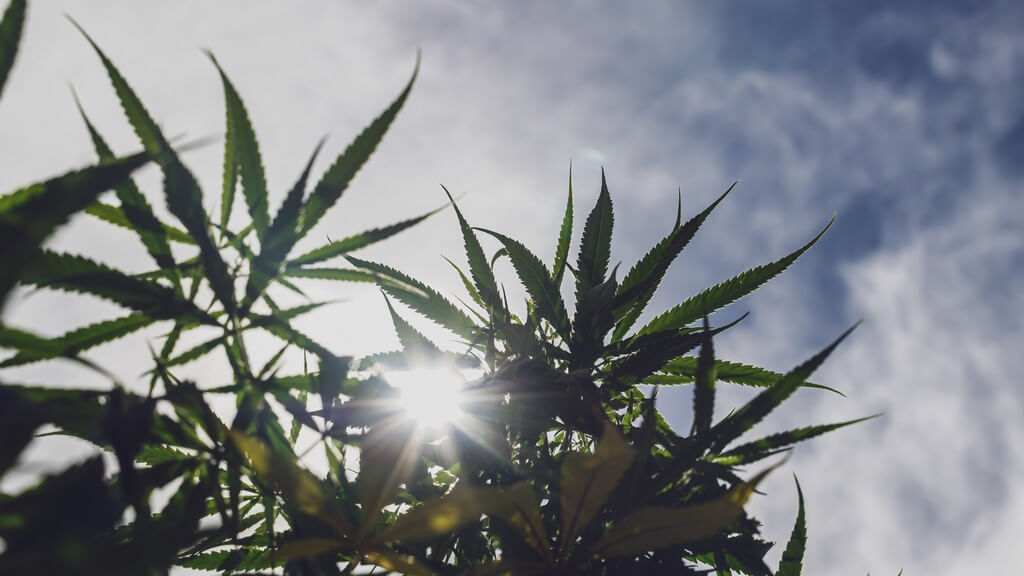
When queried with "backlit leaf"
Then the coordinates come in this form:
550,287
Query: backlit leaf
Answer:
588,481
299,488
419,297
654,528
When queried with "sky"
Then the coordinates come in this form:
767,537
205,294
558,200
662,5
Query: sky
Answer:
905,119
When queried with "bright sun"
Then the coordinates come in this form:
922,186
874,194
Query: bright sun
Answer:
430,396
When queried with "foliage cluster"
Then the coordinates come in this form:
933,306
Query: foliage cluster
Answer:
560,462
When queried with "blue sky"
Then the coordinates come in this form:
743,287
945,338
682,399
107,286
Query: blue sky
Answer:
904,118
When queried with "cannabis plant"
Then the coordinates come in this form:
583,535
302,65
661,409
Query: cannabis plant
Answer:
551,457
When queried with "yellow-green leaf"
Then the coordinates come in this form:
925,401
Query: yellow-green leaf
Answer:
517,505
386,459
400,563
655,527
588,480
300,488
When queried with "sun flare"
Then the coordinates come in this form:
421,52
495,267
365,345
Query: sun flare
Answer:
430,396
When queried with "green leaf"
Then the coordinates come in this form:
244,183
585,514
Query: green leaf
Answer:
684,369
419,297
116,216
10,33
283,330
768,445
415,346
18,420
596,245
643,279
704,391
564,237
711,299
242,150
588,481
299,488
654,528
474,294
28,216
340,174
184,197
479,270
280,237
538,283
77,341
79,274
793,556
516,505
361,240
754,411
135,207
397,563
337,274
654,351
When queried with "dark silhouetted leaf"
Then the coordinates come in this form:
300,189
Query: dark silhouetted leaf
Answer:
78,274
77,341
564,238
243,152
596,245
793,556
10,33
643,279
30,215
479,270
184,197
725,293
419,297
684,369
538,283
281,236
135,207
361,240
764,447
704,391
752,412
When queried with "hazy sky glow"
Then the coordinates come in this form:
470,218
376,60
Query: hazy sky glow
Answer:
905,118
